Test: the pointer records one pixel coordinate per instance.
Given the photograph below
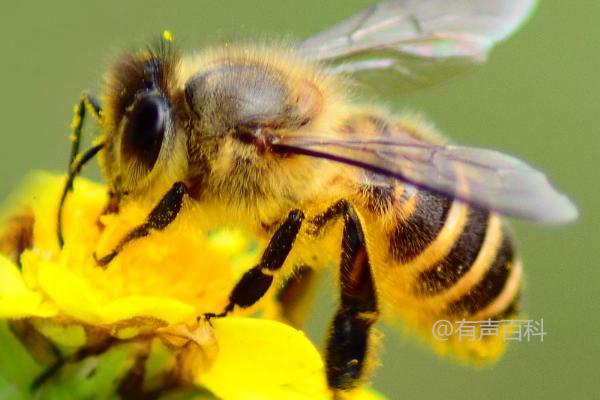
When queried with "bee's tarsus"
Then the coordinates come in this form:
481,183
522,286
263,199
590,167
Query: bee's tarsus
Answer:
209,316
74,170
256,282
227,310
159,218
104,261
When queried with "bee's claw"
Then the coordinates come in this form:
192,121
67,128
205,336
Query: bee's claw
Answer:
209,316
104,261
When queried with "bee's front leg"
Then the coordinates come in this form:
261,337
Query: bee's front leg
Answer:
159,218
87,104
255,282
349,335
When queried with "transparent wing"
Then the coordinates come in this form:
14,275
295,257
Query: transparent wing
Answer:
419,41
483,178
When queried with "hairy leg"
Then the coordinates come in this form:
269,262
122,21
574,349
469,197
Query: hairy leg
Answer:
77,160
159,218
349,334
256,281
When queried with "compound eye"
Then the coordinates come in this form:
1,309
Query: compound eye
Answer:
145,130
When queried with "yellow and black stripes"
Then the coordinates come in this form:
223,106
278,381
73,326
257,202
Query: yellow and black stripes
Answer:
434,257
460,258
490,287
413,235
458,261
506,301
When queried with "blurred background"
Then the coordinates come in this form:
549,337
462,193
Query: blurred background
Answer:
538,97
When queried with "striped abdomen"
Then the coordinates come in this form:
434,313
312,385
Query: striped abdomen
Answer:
460,259
442,258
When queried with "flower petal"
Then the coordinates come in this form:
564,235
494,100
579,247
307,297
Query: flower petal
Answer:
16,300
165,309
71,293
262,359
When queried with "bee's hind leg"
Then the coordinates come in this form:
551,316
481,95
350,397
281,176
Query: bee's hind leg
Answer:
349,334
256,282
159,218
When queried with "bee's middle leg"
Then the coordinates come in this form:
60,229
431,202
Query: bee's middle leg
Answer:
159,218
253,285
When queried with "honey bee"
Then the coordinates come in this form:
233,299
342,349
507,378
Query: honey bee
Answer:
271,140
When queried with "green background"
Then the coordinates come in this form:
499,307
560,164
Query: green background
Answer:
538,97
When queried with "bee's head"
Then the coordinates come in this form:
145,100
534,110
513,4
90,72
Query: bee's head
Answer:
139,120
209,122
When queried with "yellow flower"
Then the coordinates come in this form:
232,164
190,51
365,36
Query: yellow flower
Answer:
140,313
